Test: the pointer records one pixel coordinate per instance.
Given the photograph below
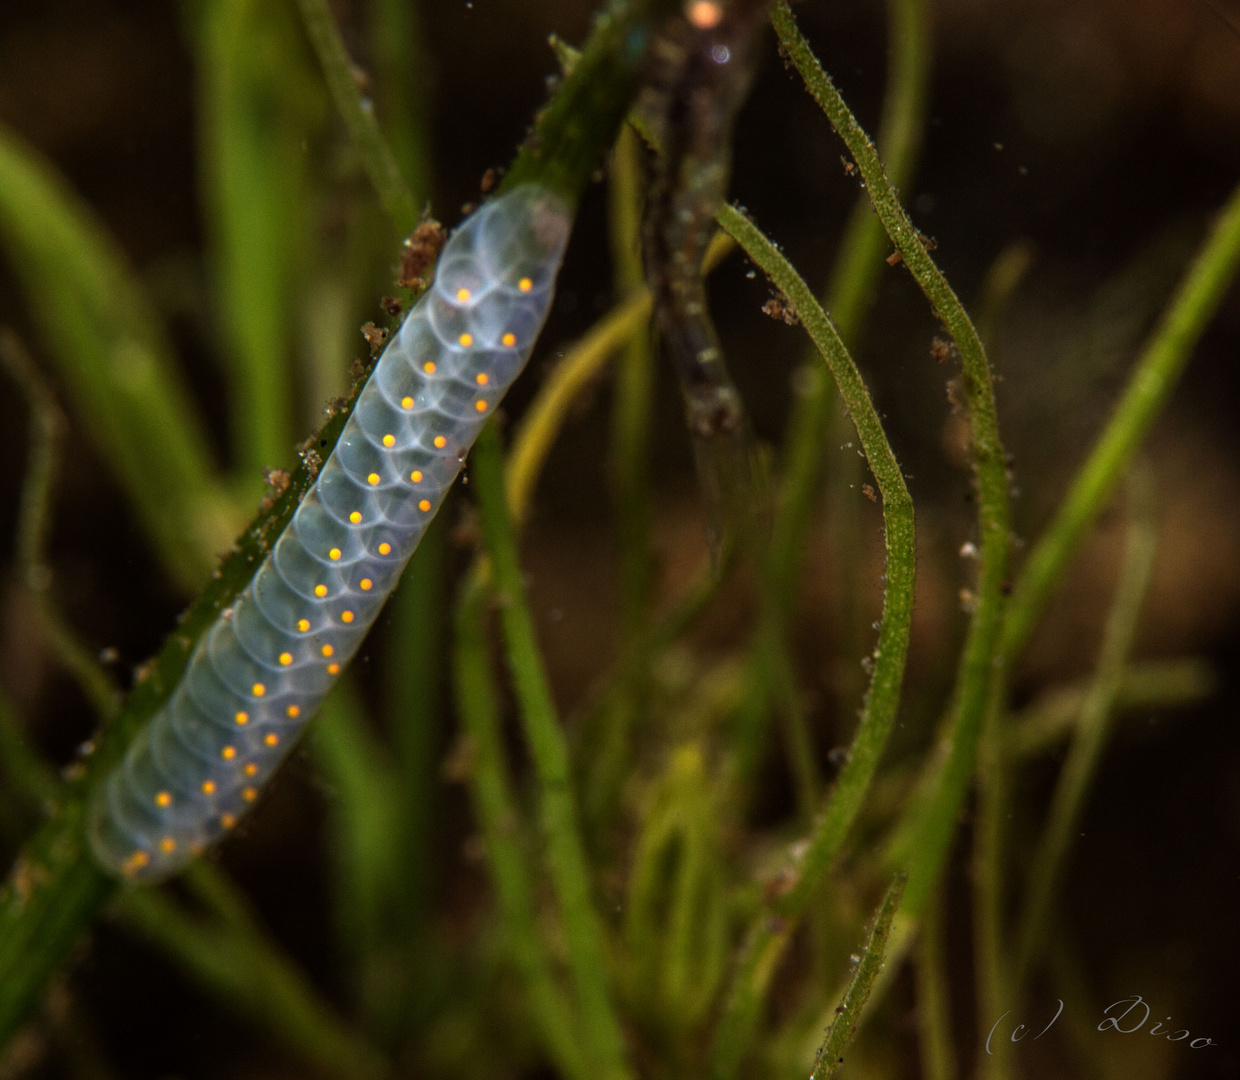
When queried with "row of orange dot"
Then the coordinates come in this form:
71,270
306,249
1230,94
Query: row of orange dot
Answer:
258,690
384,549
416,476
286,658
168,844
321,590
463,294
466,340
356,516
334,554
164,798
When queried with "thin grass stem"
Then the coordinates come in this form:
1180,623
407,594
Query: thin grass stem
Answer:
259,111
978,673
900,131
1155,376
934,1020
854,282
47,427
629,472
848,1014
400,60
495,806
1089,740
630,417
111,353
994,766
990,950
394,194
365,854
882,699
816,412
768,936
1145,686
849,292
414,708
561,828
22,769
805,775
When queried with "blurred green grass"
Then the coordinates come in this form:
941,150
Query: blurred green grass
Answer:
602,927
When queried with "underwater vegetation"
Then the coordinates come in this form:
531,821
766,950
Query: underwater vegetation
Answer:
742,500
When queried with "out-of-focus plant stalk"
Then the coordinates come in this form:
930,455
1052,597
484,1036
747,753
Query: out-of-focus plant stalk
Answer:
260,107
1146,685
358,115
47,427
934,1020
561,826
1092,728
1155,376
400,61
115,364
630,419
496,807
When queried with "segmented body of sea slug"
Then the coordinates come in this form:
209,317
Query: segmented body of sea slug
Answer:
258,674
